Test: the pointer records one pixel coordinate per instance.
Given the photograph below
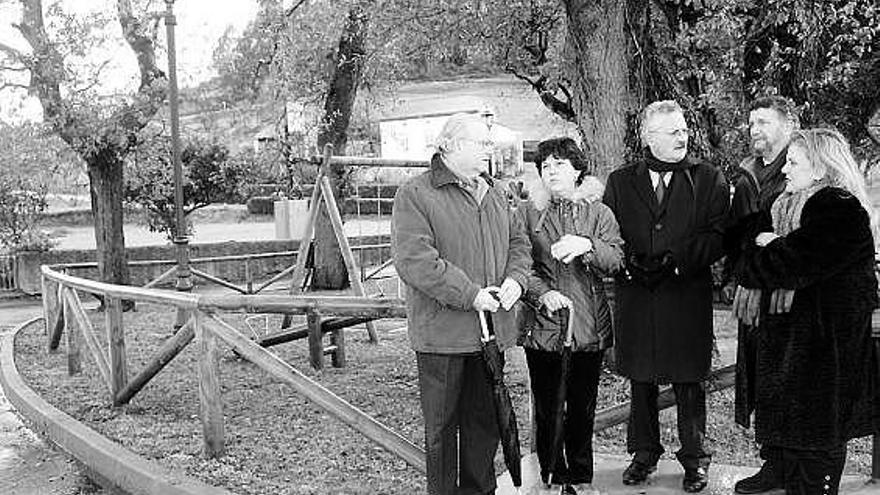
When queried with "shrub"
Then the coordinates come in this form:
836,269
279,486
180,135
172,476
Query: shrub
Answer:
261,205
21,203
208,177
270,166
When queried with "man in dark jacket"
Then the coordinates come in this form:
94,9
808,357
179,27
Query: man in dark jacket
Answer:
772,120
457,245
671,209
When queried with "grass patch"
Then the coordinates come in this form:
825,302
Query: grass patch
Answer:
279,443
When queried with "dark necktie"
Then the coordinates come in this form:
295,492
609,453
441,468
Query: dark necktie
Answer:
660,190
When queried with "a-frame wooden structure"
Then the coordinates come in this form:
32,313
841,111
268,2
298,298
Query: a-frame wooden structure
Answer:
322,194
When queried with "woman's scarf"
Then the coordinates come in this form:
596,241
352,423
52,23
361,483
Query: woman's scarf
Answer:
788,207
786,214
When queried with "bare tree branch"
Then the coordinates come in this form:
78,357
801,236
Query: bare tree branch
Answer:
47,71
289,12
95,78
561,108
11,52
150,95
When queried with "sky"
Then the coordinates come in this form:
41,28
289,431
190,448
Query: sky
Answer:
200,23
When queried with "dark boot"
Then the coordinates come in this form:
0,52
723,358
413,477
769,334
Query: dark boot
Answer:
768,478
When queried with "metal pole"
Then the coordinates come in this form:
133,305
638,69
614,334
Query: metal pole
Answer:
184,277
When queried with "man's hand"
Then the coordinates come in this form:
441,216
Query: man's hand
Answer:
509,292
554,300
652,272
569,247
486,300
765,238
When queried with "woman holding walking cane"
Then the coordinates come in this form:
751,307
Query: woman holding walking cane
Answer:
575,240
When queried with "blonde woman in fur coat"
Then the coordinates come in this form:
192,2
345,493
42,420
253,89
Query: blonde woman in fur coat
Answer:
575,241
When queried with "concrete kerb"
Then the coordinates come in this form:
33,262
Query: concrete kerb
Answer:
110,462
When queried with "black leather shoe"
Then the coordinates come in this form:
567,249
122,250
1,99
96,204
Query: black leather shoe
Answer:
765,480
567,490
636,473
695,479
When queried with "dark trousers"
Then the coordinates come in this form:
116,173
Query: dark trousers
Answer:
461,433
643,429
813,472
772,456
575,455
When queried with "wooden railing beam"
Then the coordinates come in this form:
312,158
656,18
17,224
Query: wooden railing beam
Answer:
78,313
718,380
164,355
172,298
330,402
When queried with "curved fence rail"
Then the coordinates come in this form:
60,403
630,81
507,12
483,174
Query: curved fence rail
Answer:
65,316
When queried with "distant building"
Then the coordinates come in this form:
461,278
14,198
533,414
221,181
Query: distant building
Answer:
412,137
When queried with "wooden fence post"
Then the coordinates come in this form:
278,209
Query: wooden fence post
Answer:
213,428
74,363
337,341
53,307
116,341
316,340
45,287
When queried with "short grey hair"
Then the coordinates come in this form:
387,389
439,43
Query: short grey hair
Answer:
658,107
455,129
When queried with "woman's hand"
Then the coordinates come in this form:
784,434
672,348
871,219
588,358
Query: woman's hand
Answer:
554,300
765,238
747,305
780,301
569,247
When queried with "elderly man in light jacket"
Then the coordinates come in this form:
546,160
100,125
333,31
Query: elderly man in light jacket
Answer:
457,246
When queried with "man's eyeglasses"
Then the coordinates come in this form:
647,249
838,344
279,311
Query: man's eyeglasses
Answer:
674,132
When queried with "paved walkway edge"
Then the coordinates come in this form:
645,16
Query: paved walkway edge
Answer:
112,463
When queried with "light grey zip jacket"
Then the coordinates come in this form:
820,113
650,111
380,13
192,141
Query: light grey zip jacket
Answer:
446,247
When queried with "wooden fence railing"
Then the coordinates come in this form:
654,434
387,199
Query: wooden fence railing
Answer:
65,316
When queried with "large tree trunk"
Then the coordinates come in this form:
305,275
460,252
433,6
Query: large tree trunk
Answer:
105,188
598,69
330,272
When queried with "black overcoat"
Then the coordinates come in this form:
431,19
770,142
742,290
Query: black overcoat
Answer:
816,380
664,334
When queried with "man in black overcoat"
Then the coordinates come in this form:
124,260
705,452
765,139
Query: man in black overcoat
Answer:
772,119
671,209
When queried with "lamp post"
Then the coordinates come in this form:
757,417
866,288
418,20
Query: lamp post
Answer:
184,276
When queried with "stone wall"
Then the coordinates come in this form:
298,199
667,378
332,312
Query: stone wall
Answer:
260,269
